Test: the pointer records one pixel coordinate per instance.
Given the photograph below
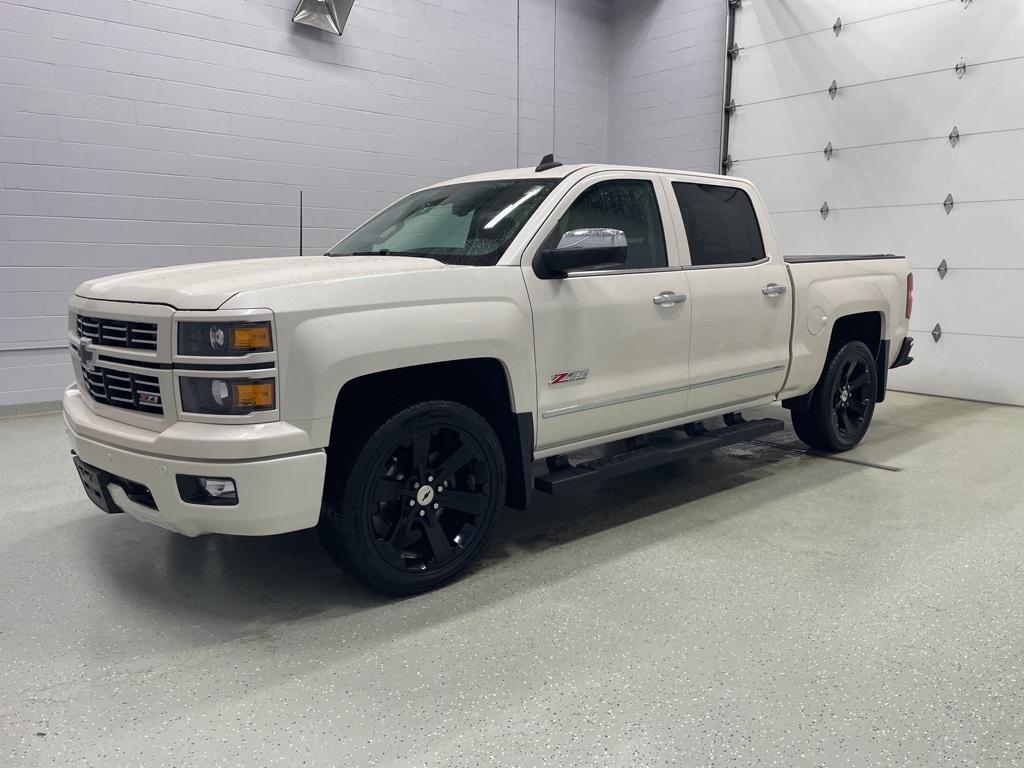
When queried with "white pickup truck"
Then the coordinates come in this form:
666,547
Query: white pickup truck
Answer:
396,390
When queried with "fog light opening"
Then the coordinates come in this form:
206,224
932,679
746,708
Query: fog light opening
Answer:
215,491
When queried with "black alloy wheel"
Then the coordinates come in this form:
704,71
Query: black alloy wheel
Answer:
852,396
429,498
843,401
418,499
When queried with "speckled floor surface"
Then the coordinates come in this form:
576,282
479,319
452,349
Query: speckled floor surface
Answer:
755,607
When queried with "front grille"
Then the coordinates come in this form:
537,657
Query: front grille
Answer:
135,391
117,333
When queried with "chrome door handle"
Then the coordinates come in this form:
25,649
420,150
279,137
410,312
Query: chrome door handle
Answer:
773,289
668,298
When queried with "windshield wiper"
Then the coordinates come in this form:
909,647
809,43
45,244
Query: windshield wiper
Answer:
386,252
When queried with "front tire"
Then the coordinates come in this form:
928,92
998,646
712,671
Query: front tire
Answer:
843,401
411,505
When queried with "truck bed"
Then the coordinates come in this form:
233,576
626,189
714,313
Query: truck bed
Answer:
827,287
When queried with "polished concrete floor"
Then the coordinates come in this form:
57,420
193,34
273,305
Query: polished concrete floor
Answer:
759,606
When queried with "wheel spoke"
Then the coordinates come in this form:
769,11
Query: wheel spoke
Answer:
858,407
470,503
844,420
420,451
847,371
460,458
860,381
437,539
388,490
399,532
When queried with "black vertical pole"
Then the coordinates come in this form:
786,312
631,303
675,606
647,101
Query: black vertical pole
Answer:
730,54
300,222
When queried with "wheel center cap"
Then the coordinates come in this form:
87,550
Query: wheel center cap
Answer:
424,495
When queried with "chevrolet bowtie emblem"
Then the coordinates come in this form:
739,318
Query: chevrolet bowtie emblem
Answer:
86,356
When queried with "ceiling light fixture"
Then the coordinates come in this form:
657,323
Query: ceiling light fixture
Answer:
328,15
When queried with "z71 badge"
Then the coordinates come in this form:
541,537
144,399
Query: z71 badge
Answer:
566,376
149,398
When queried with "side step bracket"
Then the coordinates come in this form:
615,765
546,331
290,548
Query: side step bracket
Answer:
661,450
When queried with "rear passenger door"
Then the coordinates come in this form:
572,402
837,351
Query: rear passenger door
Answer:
741,306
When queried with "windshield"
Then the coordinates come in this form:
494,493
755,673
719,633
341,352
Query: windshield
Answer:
470,223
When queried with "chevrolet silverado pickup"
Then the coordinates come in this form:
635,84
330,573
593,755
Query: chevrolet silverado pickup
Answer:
396,391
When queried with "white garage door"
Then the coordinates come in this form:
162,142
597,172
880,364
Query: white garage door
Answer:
899,96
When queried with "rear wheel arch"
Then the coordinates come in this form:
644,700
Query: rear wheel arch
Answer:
862,326
866,327
482,384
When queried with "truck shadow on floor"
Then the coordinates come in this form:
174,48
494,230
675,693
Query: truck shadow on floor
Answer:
226,583
553,521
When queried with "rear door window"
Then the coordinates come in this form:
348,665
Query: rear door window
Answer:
721,225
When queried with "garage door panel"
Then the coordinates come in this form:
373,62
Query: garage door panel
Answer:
988,368
933,38
893,165
896,174
979,236
883,113
758,21
974,301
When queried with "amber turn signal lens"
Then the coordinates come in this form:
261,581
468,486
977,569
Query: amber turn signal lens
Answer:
227,397
254,395
254,338
224,339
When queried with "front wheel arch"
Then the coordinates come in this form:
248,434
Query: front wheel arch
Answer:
482,384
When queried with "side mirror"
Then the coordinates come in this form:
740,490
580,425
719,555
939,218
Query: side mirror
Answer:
584,249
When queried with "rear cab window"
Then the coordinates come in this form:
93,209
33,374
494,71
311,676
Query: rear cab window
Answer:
720,223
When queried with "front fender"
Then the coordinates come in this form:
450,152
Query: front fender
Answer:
326,352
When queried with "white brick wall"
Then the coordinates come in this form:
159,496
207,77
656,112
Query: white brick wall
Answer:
564,62
139,133
667,69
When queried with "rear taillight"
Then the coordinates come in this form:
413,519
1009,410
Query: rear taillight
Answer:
910,293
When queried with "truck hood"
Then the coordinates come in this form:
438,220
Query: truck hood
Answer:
209,285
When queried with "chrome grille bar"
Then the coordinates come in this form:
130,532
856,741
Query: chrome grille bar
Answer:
128,334
123,389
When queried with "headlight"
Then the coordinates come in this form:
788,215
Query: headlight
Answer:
232,397
224,339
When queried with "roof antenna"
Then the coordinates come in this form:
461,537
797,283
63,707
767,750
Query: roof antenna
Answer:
547,162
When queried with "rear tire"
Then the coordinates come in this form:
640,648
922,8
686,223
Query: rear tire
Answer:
411,504
843,401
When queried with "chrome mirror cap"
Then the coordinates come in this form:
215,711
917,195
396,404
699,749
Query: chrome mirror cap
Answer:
583,249
598,237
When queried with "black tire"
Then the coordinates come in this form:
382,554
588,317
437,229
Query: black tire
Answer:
368,526
843,401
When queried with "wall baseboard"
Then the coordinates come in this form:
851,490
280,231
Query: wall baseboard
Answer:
47,407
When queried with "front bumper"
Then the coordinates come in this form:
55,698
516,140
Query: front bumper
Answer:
276,494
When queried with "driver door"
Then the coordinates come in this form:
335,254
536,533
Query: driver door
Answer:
610,357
